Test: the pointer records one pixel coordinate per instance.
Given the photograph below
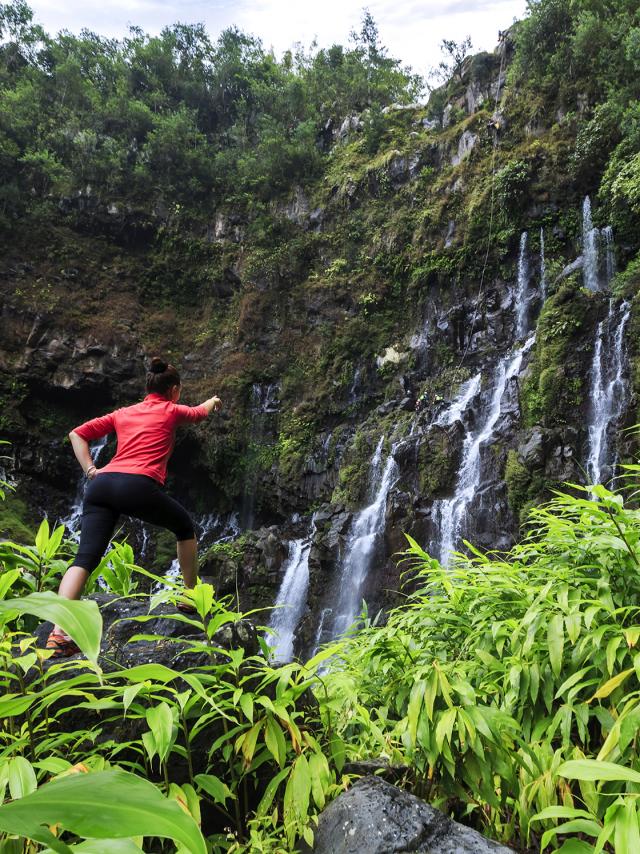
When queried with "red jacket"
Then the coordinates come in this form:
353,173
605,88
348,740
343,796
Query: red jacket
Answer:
146,434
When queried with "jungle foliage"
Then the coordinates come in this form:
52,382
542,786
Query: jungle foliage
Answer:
174,119
507,688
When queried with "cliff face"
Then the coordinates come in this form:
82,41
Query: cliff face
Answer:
459,262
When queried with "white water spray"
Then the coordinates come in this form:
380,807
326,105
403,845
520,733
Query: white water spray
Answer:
589,248
608,390
452,513
73,520
291,600
364,537
522,287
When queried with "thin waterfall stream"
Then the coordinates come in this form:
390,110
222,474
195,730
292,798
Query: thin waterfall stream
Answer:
608,391
362,544
453,512
291,600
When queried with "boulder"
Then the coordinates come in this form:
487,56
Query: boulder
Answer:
378,818
466,144
118,649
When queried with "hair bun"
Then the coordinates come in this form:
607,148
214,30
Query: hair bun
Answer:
158,365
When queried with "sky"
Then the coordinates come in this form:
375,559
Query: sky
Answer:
410,29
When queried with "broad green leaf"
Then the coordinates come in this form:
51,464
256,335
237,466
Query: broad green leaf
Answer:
575,846
7,580
104,846
560,812
102,805
296,795
274,739
591,769
160,720
578,825
610,686
269,793
214,787
627,835
16,704
42,537
22,778
555,643
82,620
246,704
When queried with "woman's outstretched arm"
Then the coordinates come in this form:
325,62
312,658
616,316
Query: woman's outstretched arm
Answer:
214,403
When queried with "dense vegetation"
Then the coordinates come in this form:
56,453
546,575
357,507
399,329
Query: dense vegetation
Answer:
174,119
508,687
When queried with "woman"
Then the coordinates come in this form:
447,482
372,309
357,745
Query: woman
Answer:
131,483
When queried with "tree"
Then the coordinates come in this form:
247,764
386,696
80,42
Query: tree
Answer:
452,62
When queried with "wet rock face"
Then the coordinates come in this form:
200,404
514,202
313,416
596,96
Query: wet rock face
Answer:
378,818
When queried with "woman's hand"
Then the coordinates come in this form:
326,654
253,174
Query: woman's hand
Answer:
214,404
91,472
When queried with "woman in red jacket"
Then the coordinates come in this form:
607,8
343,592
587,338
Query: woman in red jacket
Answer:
132,482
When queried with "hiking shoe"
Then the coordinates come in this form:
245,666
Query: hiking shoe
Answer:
62,645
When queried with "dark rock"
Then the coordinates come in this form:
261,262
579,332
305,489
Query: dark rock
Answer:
123,618
379,818
573,267
532,450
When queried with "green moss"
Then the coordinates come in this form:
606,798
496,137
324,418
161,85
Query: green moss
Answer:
353,477
16,520
552,393
518,480
437,464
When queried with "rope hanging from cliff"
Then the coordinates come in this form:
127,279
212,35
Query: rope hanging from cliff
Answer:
491,210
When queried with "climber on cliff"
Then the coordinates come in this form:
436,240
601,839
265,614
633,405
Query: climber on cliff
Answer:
131,483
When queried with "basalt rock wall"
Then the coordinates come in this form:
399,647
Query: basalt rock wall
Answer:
395,277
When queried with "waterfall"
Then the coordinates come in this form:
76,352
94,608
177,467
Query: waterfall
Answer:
597,272
362,544
522,301
73,520
291,600
452,512
459,405
543,268
589,248
610,255
212,528
608,390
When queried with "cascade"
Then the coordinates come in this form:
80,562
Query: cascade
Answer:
455,411
543,268
589,248
610,255
608,390
452,513
291,600
362,543
210,530
72,521
591,237
522,286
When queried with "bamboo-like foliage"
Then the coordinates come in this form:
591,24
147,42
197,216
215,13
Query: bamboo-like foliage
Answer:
510,683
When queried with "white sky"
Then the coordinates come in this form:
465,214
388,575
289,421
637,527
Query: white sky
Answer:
410,29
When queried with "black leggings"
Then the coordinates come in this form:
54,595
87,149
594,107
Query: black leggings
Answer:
112,493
